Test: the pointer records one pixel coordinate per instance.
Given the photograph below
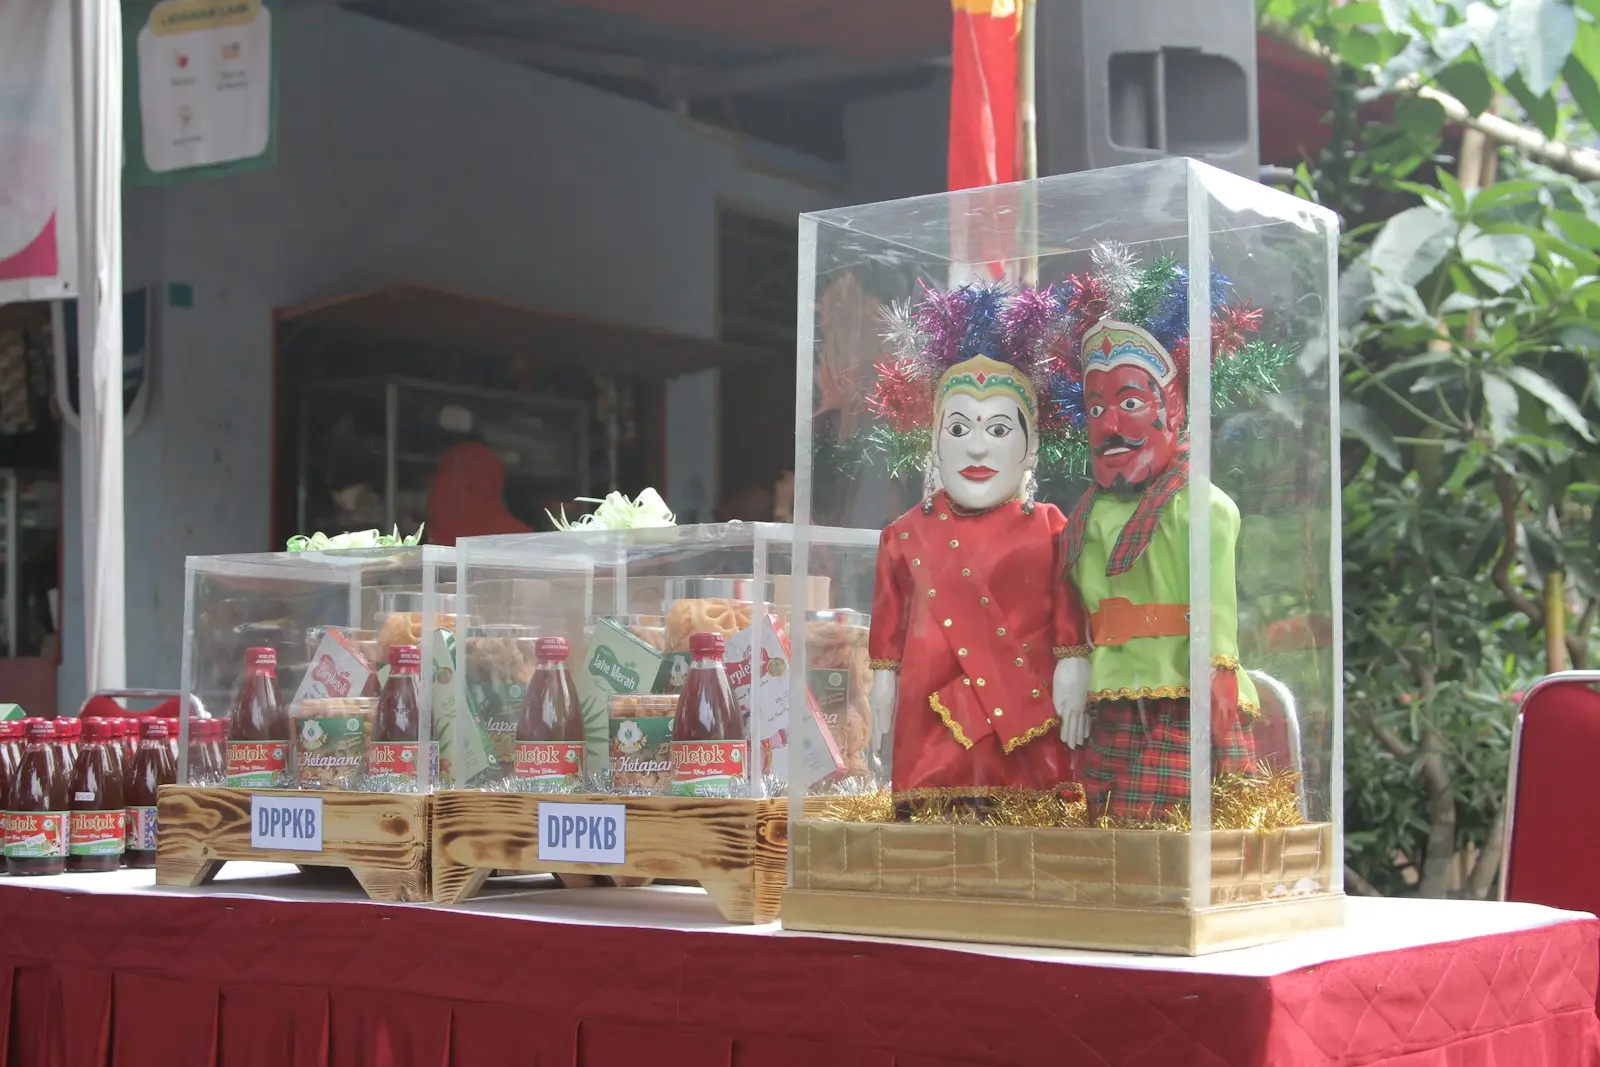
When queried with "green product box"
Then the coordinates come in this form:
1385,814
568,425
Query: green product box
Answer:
615,663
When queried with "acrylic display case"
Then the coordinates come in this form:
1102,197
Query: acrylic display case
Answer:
330,628
1091,425
701,804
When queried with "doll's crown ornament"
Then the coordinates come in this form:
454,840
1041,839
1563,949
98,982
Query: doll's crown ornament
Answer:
1113,344
982,378
1034,336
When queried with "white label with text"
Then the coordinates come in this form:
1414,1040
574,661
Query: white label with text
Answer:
583,833
293,824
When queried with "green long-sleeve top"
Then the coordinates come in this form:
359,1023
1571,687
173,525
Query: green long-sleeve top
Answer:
1154,667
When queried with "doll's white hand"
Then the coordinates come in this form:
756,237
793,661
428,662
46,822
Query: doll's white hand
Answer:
885,690
1069,691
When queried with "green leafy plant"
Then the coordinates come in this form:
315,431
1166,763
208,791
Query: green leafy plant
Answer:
1471,398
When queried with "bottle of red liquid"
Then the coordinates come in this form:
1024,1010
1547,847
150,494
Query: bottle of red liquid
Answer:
70,733
394,750
97,832
130,742
11,739
710,749
216,757
152,769
549,752
64,748
36,821
258,731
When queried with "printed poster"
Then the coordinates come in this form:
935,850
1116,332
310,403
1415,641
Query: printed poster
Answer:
38,198
202,87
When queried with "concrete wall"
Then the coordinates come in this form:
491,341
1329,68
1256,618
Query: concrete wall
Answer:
897,145
402,158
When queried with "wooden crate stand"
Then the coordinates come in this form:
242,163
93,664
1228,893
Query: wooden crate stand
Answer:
382,838
734,848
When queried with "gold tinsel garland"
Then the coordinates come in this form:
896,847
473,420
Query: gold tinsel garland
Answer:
1267,800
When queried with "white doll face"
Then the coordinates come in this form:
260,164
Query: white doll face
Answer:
983,450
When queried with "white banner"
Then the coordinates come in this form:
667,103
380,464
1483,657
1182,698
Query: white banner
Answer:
38,217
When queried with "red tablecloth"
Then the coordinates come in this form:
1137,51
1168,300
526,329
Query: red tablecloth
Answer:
136,980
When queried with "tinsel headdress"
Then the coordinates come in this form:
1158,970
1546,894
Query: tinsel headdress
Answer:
1039,332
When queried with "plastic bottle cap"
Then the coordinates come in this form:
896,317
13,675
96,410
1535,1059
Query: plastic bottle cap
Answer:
69,729
99,729
153,728
261,657
41,730
707,645
552,649
407,658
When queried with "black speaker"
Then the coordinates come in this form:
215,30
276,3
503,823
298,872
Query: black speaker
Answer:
1120,81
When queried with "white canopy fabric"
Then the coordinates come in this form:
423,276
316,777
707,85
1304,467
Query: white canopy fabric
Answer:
99,96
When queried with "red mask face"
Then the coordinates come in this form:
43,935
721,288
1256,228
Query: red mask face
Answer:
1133,426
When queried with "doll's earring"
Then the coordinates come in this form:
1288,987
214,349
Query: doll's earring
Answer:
930,484
1030,488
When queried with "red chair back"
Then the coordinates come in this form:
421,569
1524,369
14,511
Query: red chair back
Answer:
1555,758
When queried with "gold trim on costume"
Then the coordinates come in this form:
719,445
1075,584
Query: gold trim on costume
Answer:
955,728
1072,651
1249,711
884,664
1159,692
1037,732
1226,663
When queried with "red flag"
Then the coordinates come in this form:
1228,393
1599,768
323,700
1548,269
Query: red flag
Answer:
983,92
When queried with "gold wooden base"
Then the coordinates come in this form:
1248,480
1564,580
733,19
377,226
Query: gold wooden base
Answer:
382,838
735,849
1081,887
1014,922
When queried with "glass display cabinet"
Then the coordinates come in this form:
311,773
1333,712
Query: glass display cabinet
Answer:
1095,445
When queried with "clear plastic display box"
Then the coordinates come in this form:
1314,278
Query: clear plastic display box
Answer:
328,628
308,736
1091,423
626,606
635,621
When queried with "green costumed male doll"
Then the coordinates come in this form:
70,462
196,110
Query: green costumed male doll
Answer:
1126,550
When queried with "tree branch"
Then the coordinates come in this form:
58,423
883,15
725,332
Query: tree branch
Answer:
1482,878
1397,746
1579,162
1578,636
1506,491
1439,861
1354,883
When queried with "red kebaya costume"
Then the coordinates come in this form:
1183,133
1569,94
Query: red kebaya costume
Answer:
966,609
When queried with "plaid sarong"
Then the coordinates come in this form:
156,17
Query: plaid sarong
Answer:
1139,529
1138,757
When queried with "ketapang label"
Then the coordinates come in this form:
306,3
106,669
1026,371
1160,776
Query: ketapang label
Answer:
392,766
97,833
36,834
257,764
542,765
708,768
142,829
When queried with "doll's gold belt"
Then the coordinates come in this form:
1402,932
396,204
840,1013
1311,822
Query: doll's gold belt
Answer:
1118,620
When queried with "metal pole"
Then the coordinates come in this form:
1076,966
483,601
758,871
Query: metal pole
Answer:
1028,135
98,71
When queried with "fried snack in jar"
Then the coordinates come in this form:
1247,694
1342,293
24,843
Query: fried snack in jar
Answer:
840,679
499,662
709,605
641,743
330,741
651,629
